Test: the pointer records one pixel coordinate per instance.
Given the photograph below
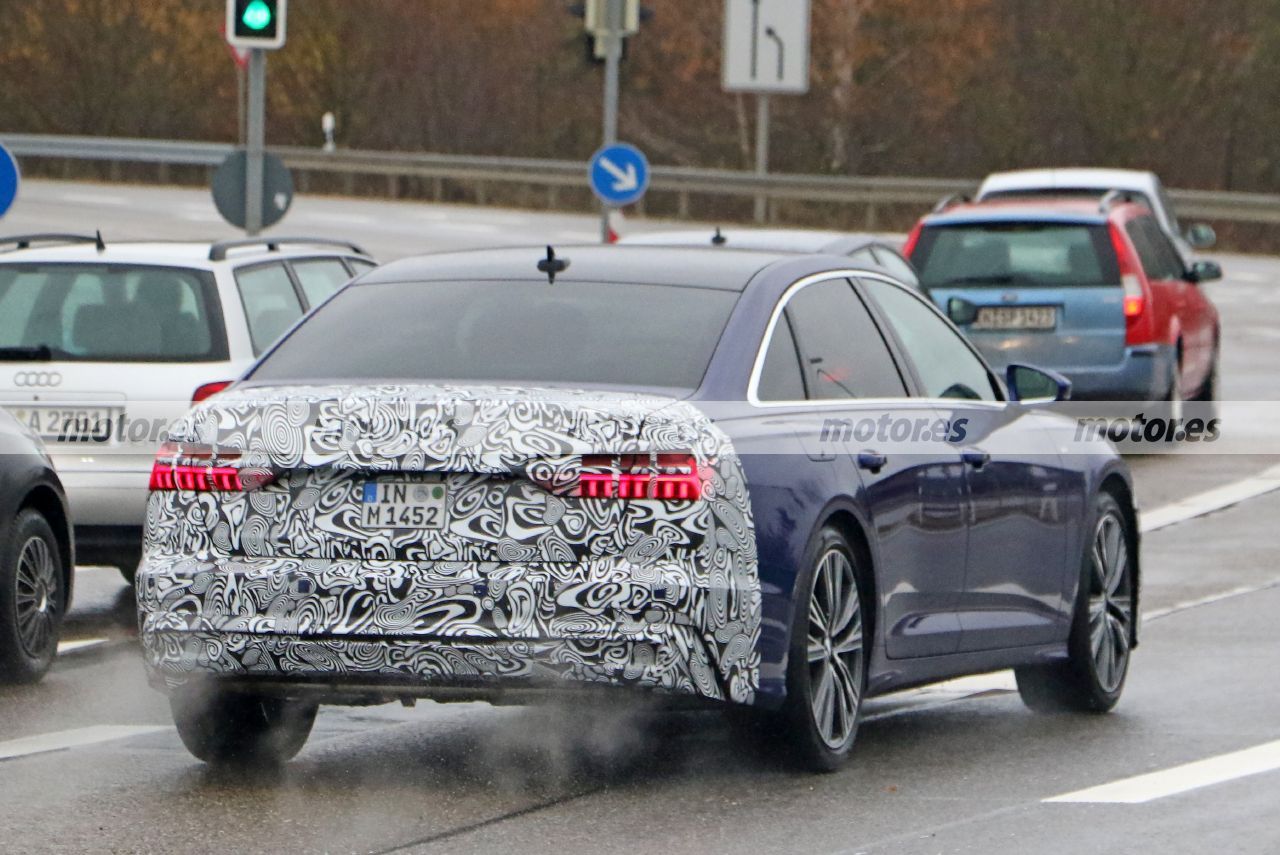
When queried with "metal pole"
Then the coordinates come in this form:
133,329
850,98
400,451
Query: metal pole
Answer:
257,127
240,105
762,153
614,13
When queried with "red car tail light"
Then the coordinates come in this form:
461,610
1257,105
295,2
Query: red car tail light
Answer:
196,469
208,390
664,477
1138,328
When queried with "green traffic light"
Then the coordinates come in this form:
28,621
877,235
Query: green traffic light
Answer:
257,15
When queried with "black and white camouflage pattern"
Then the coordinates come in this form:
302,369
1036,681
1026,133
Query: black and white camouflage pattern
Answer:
525,582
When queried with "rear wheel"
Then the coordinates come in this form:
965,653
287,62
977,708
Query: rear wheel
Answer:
32,599
232,728
827,671
1093,676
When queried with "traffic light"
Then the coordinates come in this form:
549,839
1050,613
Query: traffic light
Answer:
256,23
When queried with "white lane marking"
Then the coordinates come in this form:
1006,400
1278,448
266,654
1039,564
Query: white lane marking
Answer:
1211,500
941,694
1209,600
80,644
79,737
586,237
93,199
1249,277
1181,779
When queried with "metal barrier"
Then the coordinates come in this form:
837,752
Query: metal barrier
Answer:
555,175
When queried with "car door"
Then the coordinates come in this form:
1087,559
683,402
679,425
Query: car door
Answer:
1014,590
1194,313
916,501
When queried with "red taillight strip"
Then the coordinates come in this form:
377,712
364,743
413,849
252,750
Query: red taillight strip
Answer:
662,477
192,468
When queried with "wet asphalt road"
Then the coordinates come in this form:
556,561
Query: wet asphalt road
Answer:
959,768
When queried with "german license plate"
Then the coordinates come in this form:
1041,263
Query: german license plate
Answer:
402,504
67,424
1016,318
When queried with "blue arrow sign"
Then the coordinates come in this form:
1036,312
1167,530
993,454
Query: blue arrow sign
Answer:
619,174
9,179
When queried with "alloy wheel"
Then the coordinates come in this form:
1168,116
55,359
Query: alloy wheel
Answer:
37,596
835,656
1110,602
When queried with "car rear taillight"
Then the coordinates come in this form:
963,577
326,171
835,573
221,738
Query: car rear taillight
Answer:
208,390
181,466
662,477
1138,328
912,239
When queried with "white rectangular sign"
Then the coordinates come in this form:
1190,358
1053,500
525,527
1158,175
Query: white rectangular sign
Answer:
766,46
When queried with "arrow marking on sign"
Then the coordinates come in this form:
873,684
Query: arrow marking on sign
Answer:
624,180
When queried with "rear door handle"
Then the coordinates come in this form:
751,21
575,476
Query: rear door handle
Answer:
976,459
872,461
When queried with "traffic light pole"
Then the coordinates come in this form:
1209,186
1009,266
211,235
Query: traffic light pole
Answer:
255,141
615,12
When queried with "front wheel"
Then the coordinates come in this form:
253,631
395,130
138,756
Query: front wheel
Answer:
1102,632
827,668
32,599
232,728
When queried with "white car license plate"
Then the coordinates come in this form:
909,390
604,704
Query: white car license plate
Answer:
1016,318
67,424
402,504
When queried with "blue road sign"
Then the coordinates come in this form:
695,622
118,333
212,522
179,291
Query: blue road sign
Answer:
8,180
619,174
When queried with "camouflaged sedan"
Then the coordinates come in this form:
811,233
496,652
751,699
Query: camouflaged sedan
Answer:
712,477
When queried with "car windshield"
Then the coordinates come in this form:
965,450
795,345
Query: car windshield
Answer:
1023,254
597,334
108,313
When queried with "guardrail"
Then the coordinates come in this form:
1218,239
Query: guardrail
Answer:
554,175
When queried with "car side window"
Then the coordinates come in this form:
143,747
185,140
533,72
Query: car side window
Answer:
947,366
270,302
1170,261
1147,238
781,378
320,278
897,266
844,353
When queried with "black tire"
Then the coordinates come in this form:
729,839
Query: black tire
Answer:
1091,680
840,665
1206,400
32,599
235,729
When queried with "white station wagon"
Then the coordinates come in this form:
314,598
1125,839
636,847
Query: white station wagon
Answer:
102,345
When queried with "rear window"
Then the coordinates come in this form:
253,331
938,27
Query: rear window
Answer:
109,313
1060,255
648,336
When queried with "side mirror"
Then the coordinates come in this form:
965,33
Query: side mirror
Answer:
1201,236
961,311
1205,271
1036,385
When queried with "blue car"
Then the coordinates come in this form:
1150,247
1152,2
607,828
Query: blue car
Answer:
752,480
1093,289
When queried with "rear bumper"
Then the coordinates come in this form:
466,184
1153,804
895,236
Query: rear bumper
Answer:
1144,374
426,628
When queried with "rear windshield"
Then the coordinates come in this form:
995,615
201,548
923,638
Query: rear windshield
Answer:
108,313
1060,255
630,335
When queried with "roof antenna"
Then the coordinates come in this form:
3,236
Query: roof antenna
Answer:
102,244
552,265
718,239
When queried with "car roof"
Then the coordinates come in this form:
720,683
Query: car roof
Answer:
730,270
768,240
1075,178
1039,209
193,254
